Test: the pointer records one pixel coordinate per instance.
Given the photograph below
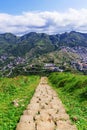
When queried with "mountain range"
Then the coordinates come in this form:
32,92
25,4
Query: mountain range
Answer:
67,50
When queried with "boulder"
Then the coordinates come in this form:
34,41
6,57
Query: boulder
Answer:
25,126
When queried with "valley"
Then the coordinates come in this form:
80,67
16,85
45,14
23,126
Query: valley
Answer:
25,59
68,51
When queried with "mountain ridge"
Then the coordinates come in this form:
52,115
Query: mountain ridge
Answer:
34,47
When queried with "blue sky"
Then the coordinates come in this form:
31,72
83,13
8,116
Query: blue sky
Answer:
48,16
19,6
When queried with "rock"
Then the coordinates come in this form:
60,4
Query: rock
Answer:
74,118
15,103
60,116
63,125
25,126
26,118
45,125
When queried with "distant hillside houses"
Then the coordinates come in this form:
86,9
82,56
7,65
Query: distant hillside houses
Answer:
52,67
83,66
79,66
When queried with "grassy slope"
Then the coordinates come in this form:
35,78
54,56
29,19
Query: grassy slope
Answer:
72,89
21,88
58,57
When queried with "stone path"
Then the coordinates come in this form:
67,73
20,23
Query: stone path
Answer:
45,111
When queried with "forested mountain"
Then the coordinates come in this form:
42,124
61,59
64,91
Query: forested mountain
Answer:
39,42
39,48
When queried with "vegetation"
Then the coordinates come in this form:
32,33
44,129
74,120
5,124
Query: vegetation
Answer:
39,43
58,57
72,89
20,90
27,55
67,51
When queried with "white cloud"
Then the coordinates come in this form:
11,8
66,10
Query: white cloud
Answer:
48,22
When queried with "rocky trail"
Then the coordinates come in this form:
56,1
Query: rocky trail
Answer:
45,111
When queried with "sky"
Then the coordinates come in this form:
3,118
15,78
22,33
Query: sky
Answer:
43,16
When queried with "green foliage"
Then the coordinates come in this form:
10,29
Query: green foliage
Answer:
73,39
20,88
34,43
72,89
40,48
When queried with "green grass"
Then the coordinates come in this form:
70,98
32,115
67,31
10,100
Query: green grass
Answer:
21,88
72,90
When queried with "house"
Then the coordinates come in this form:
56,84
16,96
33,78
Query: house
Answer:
49,65
52,67
84,66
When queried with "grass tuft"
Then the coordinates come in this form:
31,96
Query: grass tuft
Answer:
21,89
72,89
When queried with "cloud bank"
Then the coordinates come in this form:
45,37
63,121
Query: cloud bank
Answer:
44,22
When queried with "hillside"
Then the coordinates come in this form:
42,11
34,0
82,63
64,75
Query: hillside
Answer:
15,94
67,50
72,90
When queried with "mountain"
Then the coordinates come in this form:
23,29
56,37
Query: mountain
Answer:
67,49
7,41
40,43
73,39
